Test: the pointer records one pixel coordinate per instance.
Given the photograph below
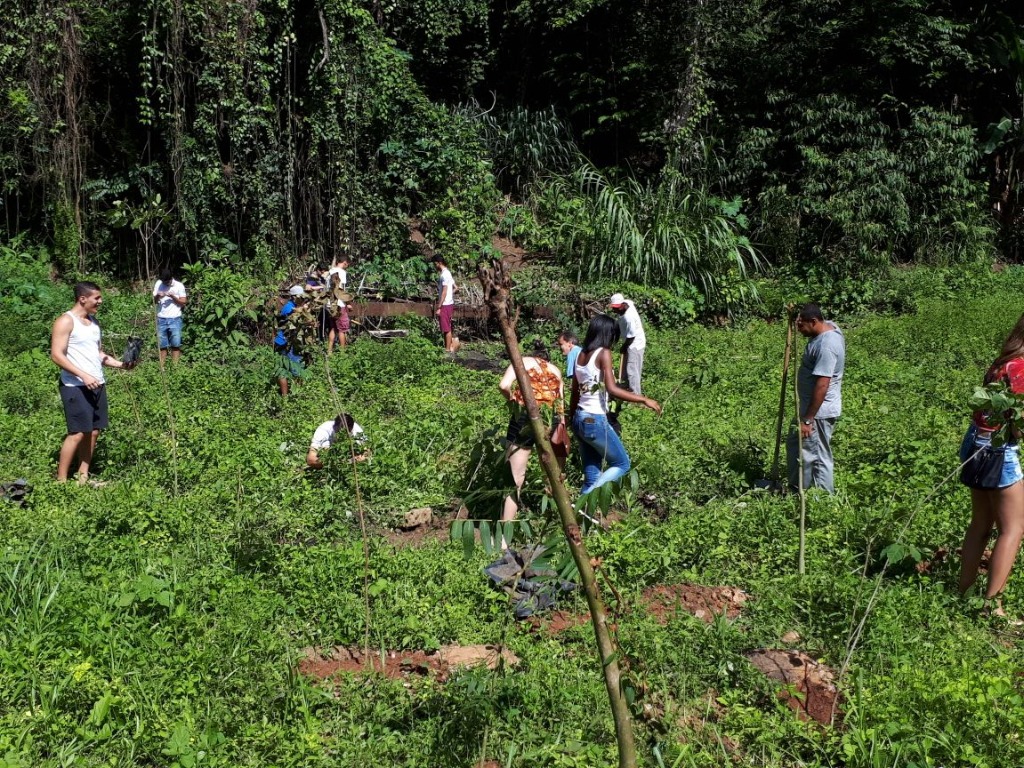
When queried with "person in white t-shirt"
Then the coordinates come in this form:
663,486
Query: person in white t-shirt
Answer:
169,296
445,302
634,340
328,433
337,282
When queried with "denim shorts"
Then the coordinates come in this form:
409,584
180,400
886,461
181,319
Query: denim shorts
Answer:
169,332
974,440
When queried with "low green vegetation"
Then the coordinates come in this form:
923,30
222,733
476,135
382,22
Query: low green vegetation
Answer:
160,620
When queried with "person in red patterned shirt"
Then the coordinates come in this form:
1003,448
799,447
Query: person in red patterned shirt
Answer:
1001,507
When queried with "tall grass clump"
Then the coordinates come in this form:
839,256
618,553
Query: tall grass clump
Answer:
653,232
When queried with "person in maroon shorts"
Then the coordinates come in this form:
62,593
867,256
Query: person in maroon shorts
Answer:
445,302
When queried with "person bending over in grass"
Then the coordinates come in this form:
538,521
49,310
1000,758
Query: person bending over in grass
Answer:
1001,507
327,434
546,381
593,381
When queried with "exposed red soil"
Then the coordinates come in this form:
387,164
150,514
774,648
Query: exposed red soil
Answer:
663,601
511,254
556,622
666,600
327,663
810,686
435,530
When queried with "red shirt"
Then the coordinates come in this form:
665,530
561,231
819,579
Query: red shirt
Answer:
1011,372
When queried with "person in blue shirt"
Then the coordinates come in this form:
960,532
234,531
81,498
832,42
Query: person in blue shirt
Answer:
289,364
570,346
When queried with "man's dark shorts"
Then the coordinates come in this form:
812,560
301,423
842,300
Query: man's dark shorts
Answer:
520,432
84,409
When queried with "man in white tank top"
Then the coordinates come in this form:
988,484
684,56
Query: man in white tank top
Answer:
75,347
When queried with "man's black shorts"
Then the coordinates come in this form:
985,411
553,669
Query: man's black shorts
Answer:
84,409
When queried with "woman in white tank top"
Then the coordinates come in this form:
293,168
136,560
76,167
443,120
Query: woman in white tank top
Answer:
593,381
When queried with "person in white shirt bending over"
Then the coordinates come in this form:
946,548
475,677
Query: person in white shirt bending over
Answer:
169,296
328,433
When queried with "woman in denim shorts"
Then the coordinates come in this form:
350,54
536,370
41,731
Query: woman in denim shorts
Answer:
1001,508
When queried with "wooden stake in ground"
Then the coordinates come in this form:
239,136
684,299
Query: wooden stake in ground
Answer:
780,421
800,468
497,285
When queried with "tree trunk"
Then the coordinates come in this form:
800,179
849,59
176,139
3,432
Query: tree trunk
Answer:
497,291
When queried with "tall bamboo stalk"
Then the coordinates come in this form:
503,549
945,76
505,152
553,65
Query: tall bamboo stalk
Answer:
780,422
800,467
497,285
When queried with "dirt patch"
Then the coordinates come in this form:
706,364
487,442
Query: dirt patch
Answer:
810,687
436,530
556,622
327,663
666,600
511,254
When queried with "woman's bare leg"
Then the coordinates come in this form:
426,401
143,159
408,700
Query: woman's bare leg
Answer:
1008,506
982,519
517,460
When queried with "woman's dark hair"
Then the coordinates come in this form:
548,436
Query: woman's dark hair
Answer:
345,420
602,332
1013,348
540,350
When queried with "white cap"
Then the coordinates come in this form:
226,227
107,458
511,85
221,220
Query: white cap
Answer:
296,290
617,300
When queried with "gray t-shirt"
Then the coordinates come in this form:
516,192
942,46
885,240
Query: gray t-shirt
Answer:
825,355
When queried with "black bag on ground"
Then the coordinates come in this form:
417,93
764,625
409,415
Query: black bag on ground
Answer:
984,469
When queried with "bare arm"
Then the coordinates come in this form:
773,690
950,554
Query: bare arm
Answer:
817,398
313,459
604,362
505,385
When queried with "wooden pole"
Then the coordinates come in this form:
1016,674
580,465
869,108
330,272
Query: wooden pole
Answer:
497,286
780,421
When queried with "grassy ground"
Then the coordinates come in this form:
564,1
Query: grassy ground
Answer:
159,620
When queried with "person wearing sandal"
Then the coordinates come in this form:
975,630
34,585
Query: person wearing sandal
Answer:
1000,507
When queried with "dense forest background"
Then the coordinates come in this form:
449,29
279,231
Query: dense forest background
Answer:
673,144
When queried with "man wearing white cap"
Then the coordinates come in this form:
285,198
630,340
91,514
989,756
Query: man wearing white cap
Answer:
634,341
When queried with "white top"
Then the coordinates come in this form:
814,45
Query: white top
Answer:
324,435
342,279
630,327
343,276
445,278
83,352
167,307
593,396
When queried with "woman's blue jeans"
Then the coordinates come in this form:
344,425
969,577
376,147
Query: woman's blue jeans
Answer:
599,445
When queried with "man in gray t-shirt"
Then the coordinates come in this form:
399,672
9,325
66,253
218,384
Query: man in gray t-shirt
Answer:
819,382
